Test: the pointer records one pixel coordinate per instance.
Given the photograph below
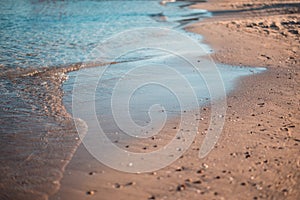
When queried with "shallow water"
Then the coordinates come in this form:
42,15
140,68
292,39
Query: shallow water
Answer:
130,102
43,40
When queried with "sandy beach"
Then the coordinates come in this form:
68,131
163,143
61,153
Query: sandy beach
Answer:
257,156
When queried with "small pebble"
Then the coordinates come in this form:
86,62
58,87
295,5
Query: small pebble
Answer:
247,155
188,180
197,182
129,184
179,169
180,187
91,192
285,190
117,185
205,166
92,173
151,197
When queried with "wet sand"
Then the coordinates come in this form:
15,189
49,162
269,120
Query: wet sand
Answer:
257,156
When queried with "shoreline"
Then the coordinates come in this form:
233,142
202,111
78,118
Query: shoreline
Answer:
261,136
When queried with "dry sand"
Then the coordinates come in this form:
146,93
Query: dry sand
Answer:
258,155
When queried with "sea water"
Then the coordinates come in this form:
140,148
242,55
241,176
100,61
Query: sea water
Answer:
42,40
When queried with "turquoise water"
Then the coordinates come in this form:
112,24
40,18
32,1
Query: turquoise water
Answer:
50,33
41,40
